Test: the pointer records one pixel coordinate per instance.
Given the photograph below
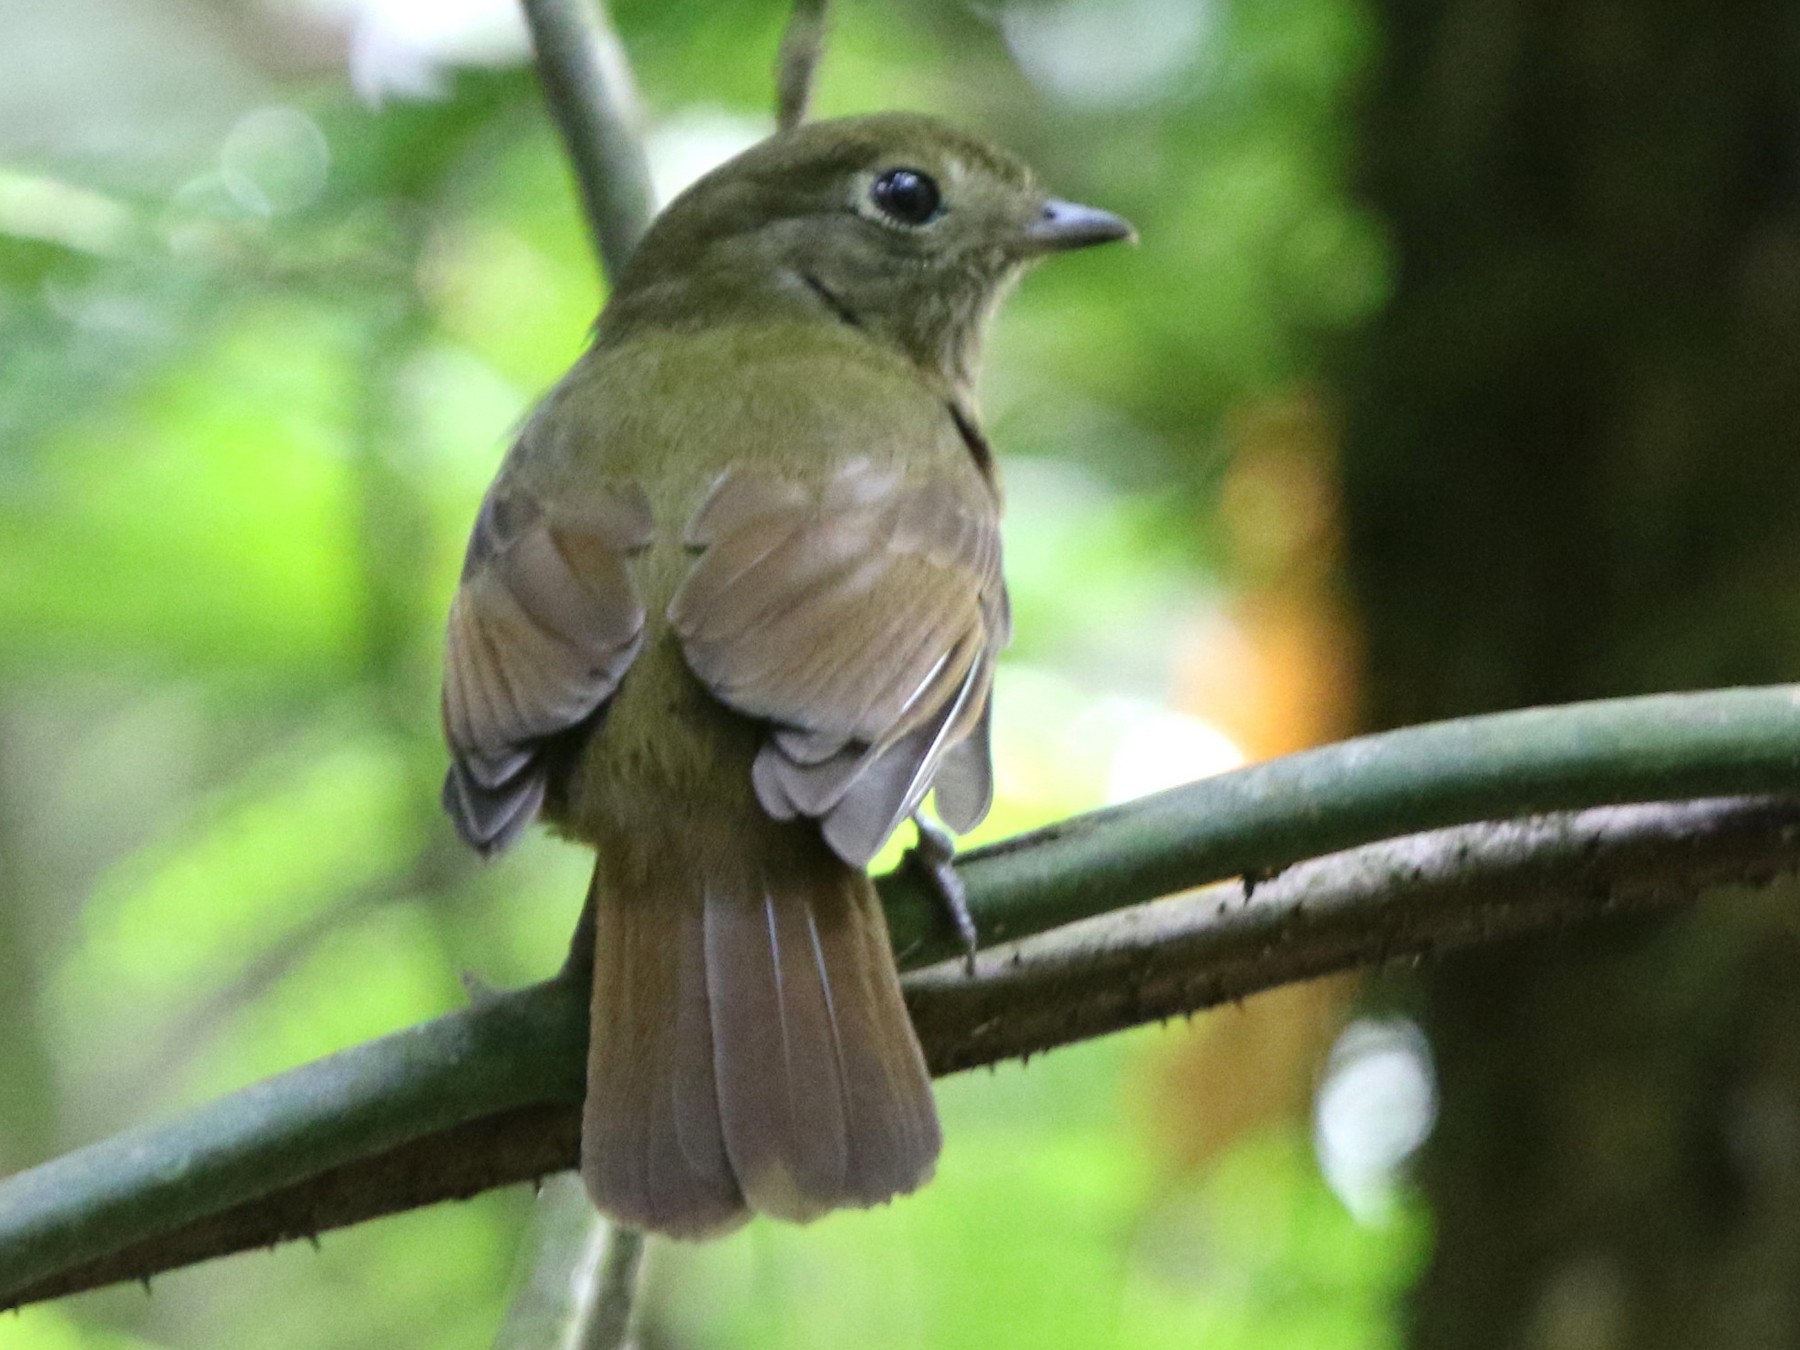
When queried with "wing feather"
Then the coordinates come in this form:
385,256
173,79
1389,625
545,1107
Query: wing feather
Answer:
542,629
861,618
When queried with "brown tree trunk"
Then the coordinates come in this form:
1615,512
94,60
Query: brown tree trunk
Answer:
1572,470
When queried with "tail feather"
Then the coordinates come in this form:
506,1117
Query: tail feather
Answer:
651,1149
751,1051
781,1096
895,1119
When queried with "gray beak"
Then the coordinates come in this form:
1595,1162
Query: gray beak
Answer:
1065,225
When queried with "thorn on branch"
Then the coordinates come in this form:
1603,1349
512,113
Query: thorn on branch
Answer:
477,990
1260,877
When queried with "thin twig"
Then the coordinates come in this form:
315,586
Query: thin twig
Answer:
554,1270
578,1288
616,1259
802,44
592,97
491,1095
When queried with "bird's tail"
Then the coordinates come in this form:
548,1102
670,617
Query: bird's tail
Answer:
750,1050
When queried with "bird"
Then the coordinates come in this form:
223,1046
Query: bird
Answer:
729,611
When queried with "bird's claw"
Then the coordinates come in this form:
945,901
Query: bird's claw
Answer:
933,855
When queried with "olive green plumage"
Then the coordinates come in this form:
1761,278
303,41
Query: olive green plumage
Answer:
731,609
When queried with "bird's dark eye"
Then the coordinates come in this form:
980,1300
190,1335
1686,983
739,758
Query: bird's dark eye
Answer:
906,195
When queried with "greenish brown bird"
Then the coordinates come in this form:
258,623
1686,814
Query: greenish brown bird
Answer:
730,611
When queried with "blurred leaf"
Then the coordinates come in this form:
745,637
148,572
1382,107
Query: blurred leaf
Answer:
206,522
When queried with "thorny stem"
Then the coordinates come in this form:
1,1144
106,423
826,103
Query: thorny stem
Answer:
489,1095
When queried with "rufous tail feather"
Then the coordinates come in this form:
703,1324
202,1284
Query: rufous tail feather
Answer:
750,1049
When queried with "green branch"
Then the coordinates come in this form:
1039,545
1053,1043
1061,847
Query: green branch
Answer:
1256,821
487,1095
1410,898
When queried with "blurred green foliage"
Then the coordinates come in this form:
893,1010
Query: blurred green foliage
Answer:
253,377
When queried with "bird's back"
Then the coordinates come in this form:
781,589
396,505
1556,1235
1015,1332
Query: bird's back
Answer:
800,402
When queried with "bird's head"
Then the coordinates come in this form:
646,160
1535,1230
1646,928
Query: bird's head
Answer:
896,223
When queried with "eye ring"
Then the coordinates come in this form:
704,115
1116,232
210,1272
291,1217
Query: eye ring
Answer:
906,196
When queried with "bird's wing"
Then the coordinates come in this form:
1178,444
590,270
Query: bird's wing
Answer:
543,627
862,619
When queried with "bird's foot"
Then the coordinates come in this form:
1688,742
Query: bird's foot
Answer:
932,855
